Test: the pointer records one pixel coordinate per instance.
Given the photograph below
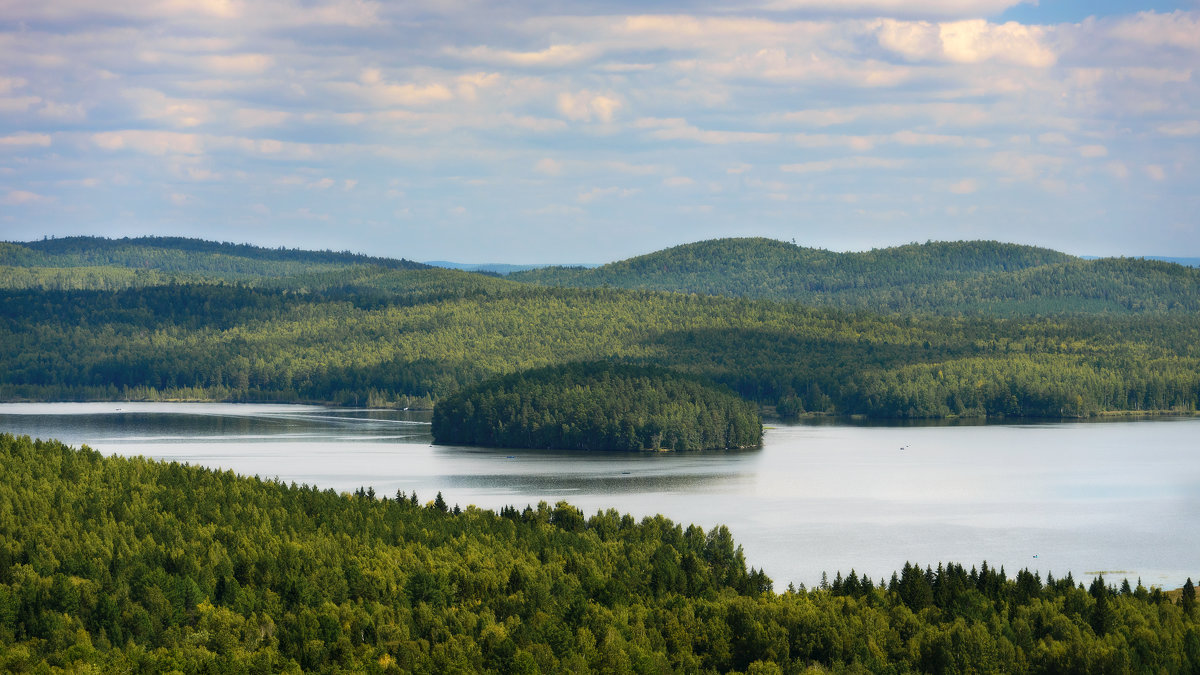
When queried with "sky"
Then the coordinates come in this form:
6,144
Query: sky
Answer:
572,131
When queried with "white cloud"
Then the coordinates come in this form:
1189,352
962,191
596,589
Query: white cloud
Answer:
18,197
150,142
1176,29
601,193
548,166
738,168
967,42
678,129
239,64
256,117
678,181
585,105
1155,171
1117,169
967,8
1184,128
1026,166
25,139
1092,151
844,163
965,186
554,55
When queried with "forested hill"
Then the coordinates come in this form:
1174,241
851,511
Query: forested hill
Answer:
975,277
119,565
97,262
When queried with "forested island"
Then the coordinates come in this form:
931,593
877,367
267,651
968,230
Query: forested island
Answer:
131,565
153,318
597,406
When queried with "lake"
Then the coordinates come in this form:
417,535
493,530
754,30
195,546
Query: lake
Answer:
1118,497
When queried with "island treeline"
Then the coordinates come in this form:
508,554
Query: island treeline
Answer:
597,406
130,565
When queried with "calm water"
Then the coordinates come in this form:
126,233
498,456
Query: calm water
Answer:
1121,498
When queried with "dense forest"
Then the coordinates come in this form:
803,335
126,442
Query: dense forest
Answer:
974,278
597,406
335,330
129,565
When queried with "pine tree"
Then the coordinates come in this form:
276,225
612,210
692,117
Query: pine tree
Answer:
1188,597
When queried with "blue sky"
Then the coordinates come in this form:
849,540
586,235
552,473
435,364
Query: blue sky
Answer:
592,131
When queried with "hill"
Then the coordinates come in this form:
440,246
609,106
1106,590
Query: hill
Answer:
980,277
97,262
345,330
597,406
129,565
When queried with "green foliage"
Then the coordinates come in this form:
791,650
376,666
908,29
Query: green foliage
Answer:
439,330
973,278
329,328
597,406
128,565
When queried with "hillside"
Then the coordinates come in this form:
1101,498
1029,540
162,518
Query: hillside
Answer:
413,337
129,565
97,262
982,277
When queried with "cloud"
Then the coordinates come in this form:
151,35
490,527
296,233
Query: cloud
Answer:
1175,29
548,166
257,117
678,181
967,42
558,56
1155,171
18,197
25,139
965,186
150,142
239,64
678,129
601,193
1026,166
844,163
1184,128
585,105
1092,151
939,8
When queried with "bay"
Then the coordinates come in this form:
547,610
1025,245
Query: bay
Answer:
1117,497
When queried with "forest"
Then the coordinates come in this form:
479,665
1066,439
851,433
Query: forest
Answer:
597,406
338,330
984,278
130,565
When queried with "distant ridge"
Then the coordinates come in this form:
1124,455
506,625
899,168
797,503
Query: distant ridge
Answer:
101,250
963,277
497,268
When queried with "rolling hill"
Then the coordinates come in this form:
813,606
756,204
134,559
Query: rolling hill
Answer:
973,277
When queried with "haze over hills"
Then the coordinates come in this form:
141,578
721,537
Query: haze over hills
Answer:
967,277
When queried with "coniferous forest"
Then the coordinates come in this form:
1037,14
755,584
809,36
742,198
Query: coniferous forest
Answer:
149,319
129,565
597,406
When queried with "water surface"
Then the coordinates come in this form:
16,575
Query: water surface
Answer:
1116,497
